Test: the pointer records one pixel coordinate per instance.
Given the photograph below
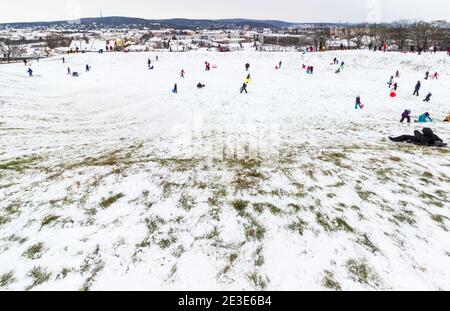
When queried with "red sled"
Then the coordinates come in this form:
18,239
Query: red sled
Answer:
393,94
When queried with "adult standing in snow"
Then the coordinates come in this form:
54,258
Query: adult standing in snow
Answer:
417,88
435,76
88,68
64,60
25,62
182,73
427,75
395,86
30,72
244,88
279,65
149,62
397,74
68,71
175,89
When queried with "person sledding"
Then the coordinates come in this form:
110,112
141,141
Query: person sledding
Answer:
426,138
310,70
358,103
75,74
175,89
417,88
447,118
200,85
428,97
406,115
244,88
424,118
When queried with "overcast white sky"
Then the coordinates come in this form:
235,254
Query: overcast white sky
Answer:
288,10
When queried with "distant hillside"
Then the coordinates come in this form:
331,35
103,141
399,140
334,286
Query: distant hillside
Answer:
115,21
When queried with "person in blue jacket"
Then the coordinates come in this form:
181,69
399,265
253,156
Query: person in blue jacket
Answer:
30,72
425,118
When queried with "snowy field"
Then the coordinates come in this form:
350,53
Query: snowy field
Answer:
109,181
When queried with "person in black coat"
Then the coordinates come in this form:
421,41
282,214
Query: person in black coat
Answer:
426,138
428,98
200,85
417,88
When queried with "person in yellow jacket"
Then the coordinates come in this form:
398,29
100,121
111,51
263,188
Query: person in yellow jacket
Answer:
248,80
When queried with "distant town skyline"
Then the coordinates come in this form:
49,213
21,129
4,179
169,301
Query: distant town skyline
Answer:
286,10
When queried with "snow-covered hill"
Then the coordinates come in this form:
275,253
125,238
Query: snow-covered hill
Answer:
110,181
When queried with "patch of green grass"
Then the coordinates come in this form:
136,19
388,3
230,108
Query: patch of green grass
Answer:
259,257
13,209
365,241
336,158
7,278
240,207
395,159
39,276
254,230
20,164
98,266
330,282
298,226
48,220
258,281
359,271
64,273
341,224
34,252
186,202
18,239
4,220
261,207
166,243
431,200
323,221
365,195
231,260
405,216
107,202
440,220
